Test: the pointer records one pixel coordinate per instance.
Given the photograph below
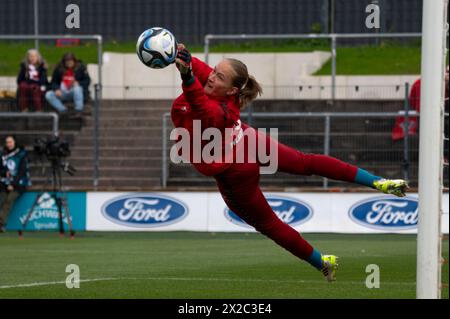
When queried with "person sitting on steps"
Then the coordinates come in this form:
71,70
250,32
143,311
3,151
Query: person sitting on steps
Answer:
70,82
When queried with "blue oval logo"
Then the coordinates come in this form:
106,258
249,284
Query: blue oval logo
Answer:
386,213
290,211
144,210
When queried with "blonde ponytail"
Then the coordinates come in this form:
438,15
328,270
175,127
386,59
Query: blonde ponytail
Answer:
248,87
249,92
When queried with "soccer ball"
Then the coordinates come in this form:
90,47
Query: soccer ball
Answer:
156,48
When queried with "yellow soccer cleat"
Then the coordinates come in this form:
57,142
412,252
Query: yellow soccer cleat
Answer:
396,187
329,267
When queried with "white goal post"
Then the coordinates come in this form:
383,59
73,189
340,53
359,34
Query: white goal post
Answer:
429,238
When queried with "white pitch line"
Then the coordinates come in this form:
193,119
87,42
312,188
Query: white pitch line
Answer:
265,280
201,279
49,283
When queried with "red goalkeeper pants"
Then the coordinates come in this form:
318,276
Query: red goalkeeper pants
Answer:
30,92
239,186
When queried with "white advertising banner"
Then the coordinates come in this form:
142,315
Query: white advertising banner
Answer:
111,211
206,211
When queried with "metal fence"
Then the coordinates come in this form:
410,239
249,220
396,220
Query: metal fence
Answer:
53,116
332,37
129,135
300,92
360,138
128,132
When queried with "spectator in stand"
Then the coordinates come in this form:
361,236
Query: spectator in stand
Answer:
414,97
398,132
32,81
70,82
14,177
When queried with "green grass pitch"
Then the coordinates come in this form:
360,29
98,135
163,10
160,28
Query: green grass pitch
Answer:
203,265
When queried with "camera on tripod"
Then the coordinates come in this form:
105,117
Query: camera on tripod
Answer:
55,150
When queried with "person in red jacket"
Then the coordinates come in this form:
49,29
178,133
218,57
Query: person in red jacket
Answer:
214,97
398,131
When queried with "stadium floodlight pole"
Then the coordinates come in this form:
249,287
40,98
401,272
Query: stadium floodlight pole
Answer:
206,48
98,98
333,67
430,150
326,144
164,151
36,24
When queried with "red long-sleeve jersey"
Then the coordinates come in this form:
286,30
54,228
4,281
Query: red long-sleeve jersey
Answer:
194,104
414,96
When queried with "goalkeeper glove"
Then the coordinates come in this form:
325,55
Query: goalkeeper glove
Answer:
184,65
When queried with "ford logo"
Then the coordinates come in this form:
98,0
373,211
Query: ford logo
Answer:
144,210
290,211
386,213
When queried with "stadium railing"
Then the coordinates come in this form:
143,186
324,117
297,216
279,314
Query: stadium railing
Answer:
54,116
334,129
333,37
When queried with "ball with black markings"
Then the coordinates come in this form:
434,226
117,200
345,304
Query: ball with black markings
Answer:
156,48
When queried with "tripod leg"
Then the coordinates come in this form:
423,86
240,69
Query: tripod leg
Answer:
30,212
58,204
69,218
